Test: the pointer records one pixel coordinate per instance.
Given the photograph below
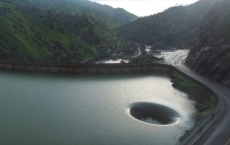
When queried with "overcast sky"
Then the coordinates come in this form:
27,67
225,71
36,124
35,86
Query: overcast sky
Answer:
144,7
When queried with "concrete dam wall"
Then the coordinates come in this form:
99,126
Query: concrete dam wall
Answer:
85,68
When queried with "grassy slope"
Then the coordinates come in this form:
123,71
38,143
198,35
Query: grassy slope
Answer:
185,83
90,30
77,8
34,38
201,94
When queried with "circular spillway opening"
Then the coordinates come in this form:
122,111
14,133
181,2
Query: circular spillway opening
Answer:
154,113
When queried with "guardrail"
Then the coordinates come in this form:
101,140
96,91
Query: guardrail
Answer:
208,117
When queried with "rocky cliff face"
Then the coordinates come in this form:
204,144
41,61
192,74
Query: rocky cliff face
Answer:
210,56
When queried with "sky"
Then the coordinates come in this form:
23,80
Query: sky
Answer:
144,7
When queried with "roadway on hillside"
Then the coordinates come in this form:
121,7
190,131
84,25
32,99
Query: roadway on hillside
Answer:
219,132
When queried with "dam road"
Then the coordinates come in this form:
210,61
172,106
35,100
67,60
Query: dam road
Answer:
219,132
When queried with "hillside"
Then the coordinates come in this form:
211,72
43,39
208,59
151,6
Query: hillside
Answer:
176,26
211,54
42,32
30,37
106,16
118,13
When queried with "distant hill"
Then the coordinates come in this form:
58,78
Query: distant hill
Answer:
118,13
55,31
176,26
210,56
105,15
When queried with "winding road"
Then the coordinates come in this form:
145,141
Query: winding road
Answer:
219,132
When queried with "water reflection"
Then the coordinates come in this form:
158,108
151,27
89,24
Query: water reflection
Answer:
69,109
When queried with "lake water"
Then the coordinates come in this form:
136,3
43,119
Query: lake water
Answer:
48,109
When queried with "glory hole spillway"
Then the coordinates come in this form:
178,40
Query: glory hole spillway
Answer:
91,109
154,113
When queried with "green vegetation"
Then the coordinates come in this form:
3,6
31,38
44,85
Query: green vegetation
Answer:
55,31
118,13
204,102
139,55
27,35
83,31
143,58
106,16
186,83
217,21
176,27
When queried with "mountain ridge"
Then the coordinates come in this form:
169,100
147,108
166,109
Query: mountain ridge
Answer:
176,26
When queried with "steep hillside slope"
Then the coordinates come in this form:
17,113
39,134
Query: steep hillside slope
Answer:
176,26
70,7
105,15
117,13
211,55
35,34
30,37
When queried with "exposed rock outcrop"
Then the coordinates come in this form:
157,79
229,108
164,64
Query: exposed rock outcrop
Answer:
210,56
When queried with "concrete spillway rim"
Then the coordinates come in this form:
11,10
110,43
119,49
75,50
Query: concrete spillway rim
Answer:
174,115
